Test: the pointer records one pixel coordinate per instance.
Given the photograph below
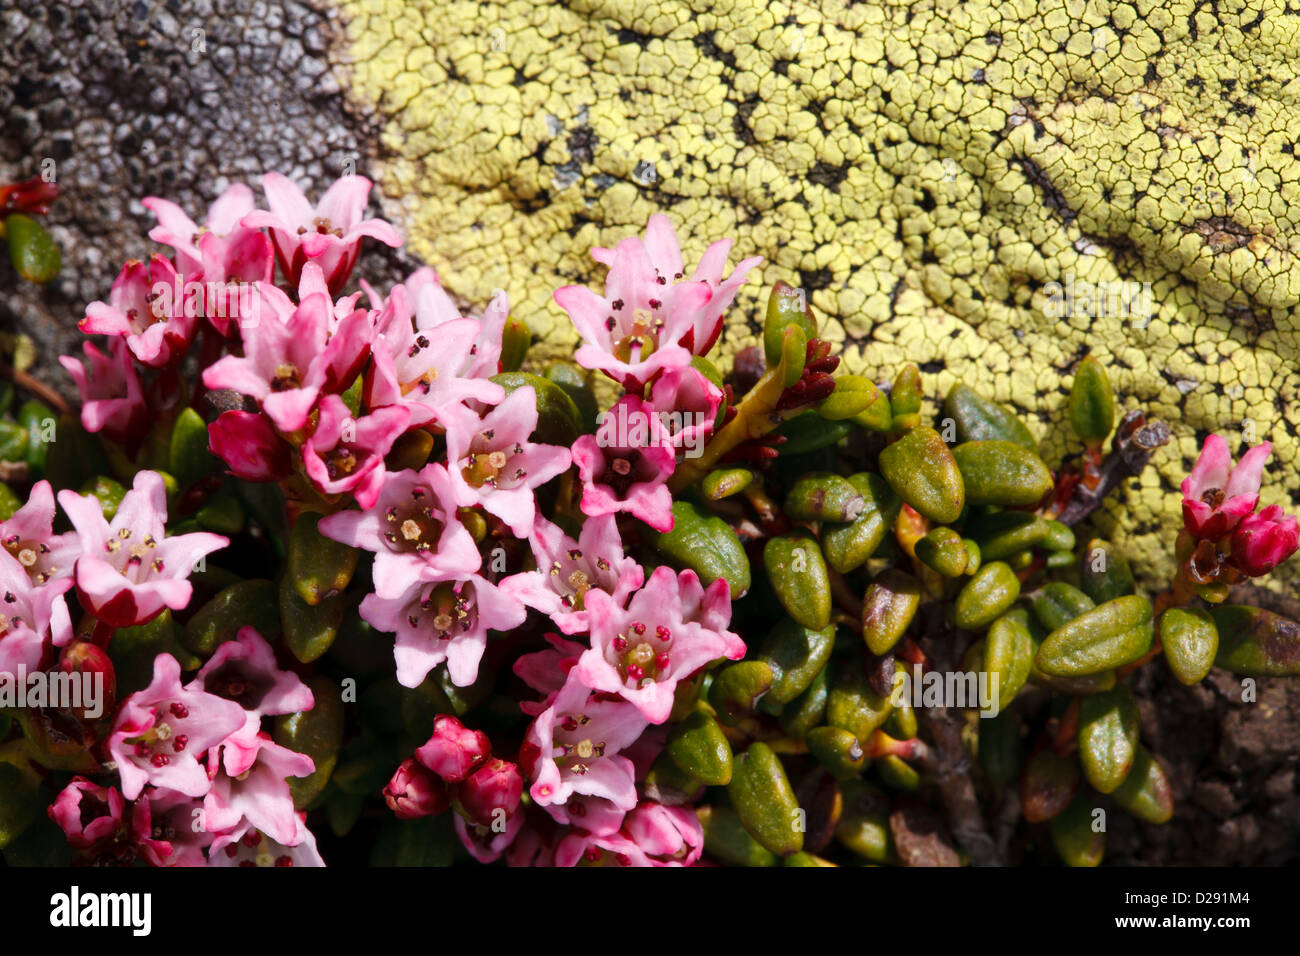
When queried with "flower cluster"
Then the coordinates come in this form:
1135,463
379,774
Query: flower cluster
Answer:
445,575
1225,534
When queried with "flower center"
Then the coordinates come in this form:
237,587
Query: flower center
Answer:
1213,497
287,377
414,528
640,338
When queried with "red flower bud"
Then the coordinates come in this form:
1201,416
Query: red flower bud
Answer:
454,751
415,792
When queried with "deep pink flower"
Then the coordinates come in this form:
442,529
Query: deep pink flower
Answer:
493,464
161,731
669,836
414,792
454,751
250,782
184,235
1263,541
244,670
412,529
687,405
426,371
346,454
329,234
625,465
171,829
250,446
29,536
439,620
128,571
491,793
294,353
1217,495
580,848
568,569
155,334
112,400
246,846
642,652
86,813
572,749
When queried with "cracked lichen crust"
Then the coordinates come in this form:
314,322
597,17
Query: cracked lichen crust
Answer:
951,182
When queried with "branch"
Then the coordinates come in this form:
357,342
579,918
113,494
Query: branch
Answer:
1135,441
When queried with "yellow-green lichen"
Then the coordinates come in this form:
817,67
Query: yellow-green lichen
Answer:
925,170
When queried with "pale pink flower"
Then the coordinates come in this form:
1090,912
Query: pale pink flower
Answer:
413,530
686,403
246,846
171,829
572,749
28,615
493,464
160,732
245,670
29,536
250,782
643,651
668,836
568,569
440,620
128,570
546,671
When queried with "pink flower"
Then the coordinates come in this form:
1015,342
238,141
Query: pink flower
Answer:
415,792
346,454
454,751
161,731
329,234
29,614
647,320
185,236
244,670
246,846
665,257
292,355
250,446
112,400
156,335
250,783
413,530
171,828
492,792
1216,495
426,371
568,569
546,671
434,309
642,652
29,536
1263,541
689,403
86,813
128,571
590,849
572,749
485,843
669,836
439,620
625,465
493,464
